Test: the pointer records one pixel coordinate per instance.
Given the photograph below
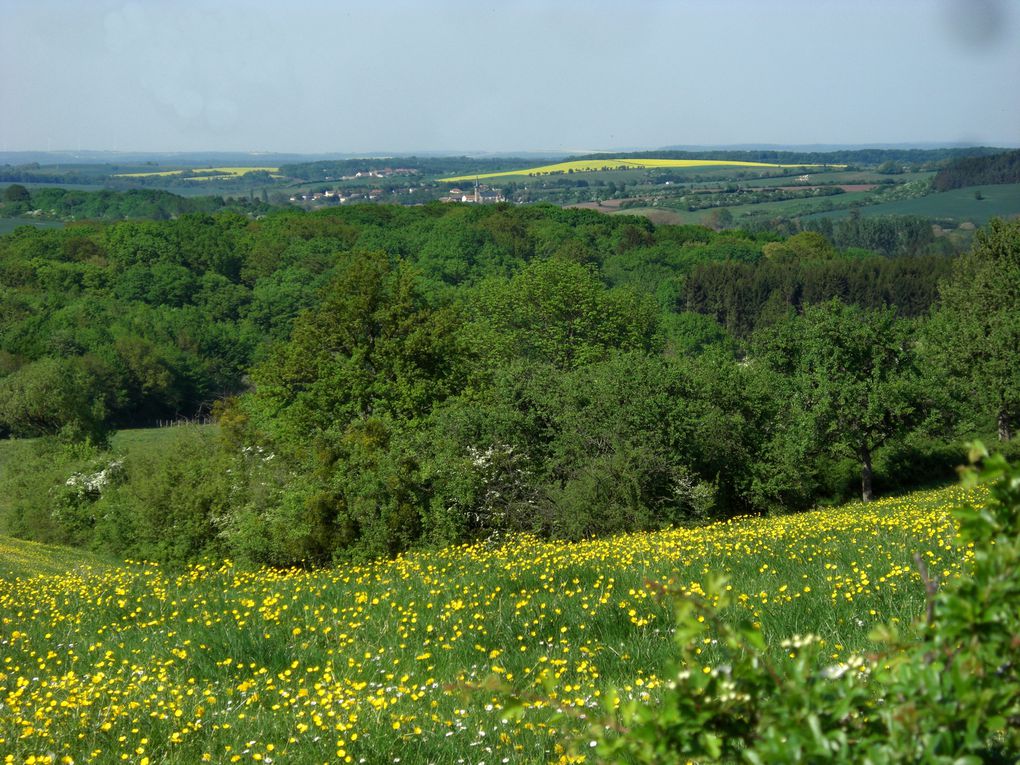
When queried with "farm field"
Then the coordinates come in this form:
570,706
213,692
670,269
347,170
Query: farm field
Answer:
218,171
595,165
957,205
694,176
849,177
668,214
68,186
410,660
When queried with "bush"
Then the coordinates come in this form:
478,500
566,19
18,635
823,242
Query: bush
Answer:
38,500
164,506
53,396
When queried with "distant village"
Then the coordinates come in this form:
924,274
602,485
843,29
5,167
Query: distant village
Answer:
480,193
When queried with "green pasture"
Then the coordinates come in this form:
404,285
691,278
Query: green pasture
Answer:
23,559
956,206
849,177
787,208
124,441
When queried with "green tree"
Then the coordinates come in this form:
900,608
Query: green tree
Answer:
335,402
17,193
975,332
627,442
855,385
372,347
53,397
806,245
720,218
558,312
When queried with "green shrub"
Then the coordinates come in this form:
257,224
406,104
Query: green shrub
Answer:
276,522
37,501
53,397
164,506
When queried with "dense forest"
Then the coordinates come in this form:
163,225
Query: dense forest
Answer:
151,204
387,377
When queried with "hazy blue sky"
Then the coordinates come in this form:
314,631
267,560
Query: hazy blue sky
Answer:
316,76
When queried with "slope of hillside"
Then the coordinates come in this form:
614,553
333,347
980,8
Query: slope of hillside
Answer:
22,559
414,658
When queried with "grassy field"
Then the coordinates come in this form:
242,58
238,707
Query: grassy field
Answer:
849,177
410,660
594,165
12,450
134,439
22,560
955,206
667,213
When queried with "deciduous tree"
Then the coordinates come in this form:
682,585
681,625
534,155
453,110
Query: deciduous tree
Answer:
975,333
854,380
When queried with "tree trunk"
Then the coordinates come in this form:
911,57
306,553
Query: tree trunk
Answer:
1004,431
866,493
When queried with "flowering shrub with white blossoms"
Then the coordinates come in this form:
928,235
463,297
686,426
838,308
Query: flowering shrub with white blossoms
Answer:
90,485
505,498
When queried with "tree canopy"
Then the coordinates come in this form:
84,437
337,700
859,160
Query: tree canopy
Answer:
975,333
386,377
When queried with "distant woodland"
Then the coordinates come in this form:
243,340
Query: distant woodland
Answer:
50,203
978,171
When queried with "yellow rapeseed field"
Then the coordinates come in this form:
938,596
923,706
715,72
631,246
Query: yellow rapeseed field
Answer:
595,165
411,660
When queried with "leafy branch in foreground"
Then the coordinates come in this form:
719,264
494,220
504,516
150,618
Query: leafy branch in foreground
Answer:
946,692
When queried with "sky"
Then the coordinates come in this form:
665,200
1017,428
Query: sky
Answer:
389,76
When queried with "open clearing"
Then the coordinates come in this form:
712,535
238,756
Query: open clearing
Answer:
128,440
413,658
596,165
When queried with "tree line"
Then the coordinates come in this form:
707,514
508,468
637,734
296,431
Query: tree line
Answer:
979,171
108,205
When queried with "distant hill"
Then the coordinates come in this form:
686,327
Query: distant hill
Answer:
177,159
979,171
849,156
242,158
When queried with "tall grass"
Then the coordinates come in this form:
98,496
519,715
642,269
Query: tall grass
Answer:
412,660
